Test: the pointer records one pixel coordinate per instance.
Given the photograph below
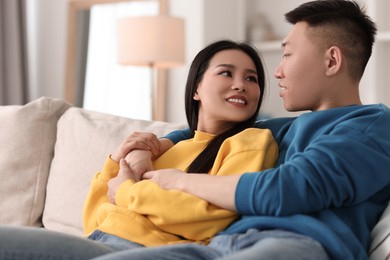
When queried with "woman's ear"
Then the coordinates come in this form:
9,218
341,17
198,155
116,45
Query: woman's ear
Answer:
196,96
334,60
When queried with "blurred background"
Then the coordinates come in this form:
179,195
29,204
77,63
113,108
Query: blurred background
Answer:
68,49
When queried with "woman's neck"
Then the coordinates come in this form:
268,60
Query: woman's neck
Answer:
214,128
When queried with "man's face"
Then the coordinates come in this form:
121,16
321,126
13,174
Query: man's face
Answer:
301,72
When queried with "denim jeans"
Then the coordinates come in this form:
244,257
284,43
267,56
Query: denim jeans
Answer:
37,243
114,242
254,244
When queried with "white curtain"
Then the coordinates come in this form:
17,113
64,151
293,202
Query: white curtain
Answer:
109,87
13,53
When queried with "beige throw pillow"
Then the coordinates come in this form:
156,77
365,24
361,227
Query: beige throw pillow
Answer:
27,138
84,140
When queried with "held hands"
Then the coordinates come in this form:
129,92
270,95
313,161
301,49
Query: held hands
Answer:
165,178
140,161
138,140
134,156
139,149
124,174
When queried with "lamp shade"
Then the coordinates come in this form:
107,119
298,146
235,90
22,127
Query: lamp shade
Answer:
156,41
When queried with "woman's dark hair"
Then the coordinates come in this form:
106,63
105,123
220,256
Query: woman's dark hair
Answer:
205,160
342,23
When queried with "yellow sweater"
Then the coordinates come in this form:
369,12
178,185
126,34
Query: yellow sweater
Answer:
151,216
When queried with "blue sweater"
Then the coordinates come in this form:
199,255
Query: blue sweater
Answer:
331,182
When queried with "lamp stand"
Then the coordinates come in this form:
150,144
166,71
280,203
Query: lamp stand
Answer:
158,79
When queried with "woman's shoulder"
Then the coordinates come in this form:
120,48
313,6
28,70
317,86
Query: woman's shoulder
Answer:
252,137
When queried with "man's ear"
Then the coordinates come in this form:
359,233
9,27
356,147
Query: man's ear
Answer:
334,60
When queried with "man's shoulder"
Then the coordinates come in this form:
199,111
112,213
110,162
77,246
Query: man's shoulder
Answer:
278,122
278,126
368,116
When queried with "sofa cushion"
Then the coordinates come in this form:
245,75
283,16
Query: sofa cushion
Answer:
27,138
84,140
380,244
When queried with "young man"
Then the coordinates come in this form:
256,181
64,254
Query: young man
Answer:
331,183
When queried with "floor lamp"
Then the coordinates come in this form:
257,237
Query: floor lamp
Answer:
153,41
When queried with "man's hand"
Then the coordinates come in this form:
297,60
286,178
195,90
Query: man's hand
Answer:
167,178
218,190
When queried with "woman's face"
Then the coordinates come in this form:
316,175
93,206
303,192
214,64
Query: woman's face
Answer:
228,92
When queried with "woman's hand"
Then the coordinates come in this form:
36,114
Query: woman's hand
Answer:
138,140
124,174
139,161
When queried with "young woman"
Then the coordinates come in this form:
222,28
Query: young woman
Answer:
224,90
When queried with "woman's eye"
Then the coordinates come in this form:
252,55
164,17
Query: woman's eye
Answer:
252,78
226,73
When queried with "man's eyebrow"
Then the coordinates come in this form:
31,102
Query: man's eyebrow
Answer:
283,45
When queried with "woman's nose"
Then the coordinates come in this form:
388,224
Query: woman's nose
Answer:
239,85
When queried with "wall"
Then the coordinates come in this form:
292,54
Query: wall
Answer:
205,23
194,23
49,42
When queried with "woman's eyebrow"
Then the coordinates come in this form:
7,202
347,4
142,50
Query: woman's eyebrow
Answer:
226,65
232,66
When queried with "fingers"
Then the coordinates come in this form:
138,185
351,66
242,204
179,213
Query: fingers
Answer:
123,165
124,174
138,140
148,175
145,141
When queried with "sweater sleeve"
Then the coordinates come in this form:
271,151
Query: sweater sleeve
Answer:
179,135
97,195
332,171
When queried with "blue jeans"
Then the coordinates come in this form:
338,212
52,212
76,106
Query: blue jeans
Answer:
114,242
37,243
254,244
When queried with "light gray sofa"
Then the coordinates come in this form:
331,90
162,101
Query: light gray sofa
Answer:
49,152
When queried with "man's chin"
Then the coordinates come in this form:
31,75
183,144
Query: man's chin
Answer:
290,108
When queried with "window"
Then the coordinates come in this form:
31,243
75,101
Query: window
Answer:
110,87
